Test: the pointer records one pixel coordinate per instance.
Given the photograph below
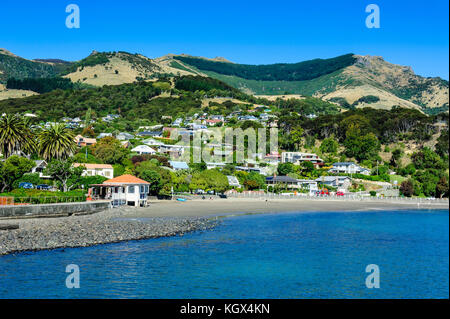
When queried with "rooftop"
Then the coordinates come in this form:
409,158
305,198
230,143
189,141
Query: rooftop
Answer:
125,179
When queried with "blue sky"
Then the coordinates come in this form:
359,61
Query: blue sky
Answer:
413,33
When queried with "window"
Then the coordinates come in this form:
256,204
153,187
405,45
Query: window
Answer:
131,189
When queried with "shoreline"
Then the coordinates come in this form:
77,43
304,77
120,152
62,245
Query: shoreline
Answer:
223,207
167,219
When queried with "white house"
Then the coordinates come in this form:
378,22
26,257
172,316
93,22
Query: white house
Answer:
124,136
41,165
335,181
172,150
143,149
123,190
105,170
233,181
152,142
102,135
348,168
299,157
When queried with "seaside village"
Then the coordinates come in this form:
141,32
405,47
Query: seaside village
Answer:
131,167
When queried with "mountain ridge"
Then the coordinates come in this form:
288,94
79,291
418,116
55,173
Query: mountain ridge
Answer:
348,80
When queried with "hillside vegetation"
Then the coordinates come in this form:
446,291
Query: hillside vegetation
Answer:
301,71
16,67
149,100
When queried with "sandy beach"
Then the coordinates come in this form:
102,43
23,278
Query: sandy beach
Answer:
223,207
168,218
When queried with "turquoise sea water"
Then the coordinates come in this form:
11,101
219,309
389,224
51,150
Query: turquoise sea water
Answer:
283,255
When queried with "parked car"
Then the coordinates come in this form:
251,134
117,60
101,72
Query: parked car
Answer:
26,185
199,192
44,187
323,192
210,192
340,194
223,196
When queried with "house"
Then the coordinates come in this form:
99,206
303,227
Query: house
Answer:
40,167
272,158
233,181
152,142
310,185
217,117
283,181
299,157
124,136
179,166
348,168
125,144
335,181
247,118
110,117
84,141
123,190
105,170
177,122
212,122
195,126
143,149
102,135
172,150
150,133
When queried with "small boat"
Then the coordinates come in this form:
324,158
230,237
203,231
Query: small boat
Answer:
181,199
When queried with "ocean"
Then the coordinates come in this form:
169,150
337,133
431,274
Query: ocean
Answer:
280,255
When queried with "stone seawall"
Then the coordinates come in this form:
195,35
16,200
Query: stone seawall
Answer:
52,210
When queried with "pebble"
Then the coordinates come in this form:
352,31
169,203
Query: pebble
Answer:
110,226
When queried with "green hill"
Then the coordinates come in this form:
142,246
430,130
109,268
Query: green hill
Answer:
301,71
15,67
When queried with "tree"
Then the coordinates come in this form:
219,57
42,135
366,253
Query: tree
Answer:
361,147
295,137
109,150
88,131
442,187
154,178
407,188
442,144
329,145
15,135
65,173
253,181
396,156
285,168
56,142
211,179
32,178
13,169
426,158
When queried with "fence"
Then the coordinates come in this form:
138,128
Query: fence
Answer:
355,197
6,201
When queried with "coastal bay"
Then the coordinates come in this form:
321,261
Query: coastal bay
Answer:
169,218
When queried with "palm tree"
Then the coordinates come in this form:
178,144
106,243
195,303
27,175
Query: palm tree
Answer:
56,142
15,135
